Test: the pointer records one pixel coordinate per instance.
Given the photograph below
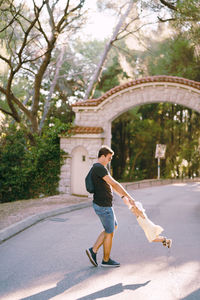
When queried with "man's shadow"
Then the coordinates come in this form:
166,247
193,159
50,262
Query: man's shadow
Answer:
193,296
113,290
69,280
74,278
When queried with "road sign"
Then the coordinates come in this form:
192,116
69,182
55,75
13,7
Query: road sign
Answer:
160,151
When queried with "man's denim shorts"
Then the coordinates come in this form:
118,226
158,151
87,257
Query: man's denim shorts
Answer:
107,217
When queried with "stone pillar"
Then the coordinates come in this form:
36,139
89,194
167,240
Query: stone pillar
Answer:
91,143
64,184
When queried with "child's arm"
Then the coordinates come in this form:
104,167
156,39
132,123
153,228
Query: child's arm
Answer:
131,205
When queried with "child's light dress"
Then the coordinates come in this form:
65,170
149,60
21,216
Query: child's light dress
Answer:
151,230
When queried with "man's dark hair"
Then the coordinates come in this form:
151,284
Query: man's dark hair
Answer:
105,150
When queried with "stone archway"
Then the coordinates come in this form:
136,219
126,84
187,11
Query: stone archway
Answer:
93,117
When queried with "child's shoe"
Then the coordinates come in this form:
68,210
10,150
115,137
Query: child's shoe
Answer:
167,242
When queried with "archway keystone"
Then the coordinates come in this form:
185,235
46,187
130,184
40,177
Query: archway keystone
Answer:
93,117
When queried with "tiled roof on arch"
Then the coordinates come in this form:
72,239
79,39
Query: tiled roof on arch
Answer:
159,78
86,130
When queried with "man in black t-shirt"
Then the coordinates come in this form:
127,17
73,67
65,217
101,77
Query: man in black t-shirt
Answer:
102,204
103,195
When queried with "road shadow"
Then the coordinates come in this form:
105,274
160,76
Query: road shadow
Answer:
113,290
193,296
76,277
69,280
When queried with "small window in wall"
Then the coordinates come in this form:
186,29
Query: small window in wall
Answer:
83,158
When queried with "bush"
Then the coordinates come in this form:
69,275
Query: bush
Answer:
28,171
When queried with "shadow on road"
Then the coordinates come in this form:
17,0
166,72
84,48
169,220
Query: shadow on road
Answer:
193,296
113,290
69,280
74,278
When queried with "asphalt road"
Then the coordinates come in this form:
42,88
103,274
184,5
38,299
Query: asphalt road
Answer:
48,260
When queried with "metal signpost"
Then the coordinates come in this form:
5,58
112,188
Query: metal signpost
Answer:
160,153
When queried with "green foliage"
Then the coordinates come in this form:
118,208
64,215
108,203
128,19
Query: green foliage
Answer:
133,140
187,18
111,77
136,133
175,56
90,50
28,171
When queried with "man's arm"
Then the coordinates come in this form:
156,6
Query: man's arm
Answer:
123,193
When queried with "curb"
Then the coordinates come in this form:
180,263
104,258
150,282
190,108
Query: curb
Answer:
16,228
156,182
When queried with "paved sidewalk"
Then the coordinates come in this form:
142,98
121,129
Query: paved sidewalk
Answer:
19,215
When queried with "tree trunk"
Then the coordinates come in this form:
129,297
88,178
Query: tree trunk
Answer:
48,101
97,73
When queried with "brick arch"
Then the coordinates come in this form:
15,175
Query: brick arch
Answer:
100,112
142,82
93,117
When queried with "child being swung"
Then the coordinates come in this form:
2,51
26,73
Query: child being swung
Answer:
151,230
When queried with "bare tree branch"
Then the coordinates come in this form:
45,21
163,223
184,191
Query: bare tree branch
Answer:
34,59
47,57
10,23
26,69
166,20
40,29
65,16
47,103
9,100
13,12
6,60
128,24
123,50
27,33
98,71
16,101
51,18
23,34
169,5
6,112
134,31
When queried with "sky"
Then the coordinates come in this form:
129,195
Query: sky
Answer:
100,25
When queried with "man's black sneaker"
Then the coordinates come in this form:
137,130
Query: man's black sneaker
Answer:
92,256
110,264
